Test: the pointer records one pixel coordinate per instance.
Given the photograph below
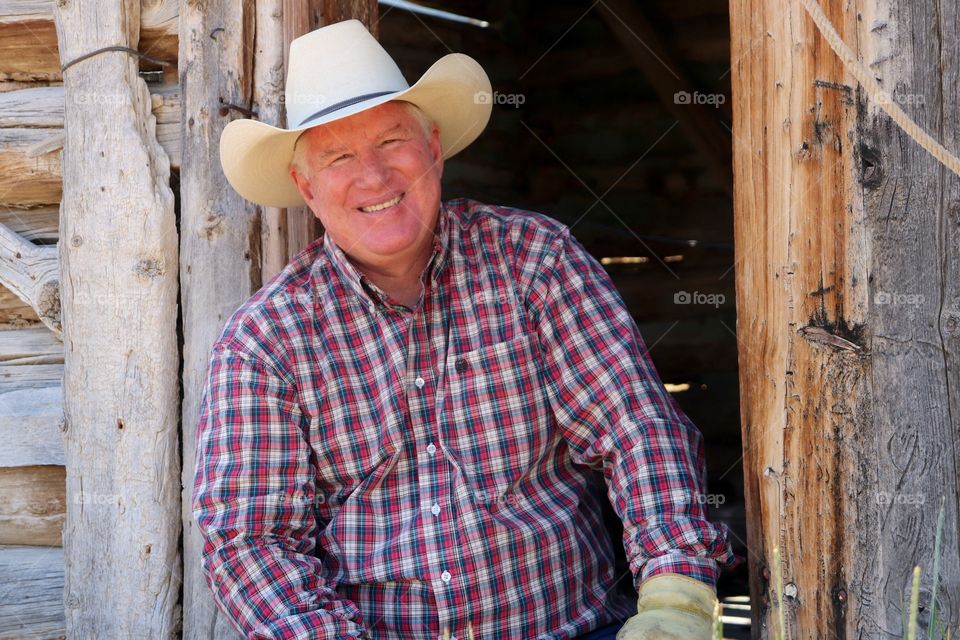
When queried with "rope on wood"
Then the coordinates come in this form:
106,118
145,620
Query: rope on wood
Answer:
162,63
875,91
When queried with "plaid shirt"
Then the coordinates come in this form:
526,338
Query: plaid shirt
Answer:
368,470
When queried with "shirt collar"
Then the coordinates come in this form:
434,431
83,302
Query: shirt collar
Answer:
344,269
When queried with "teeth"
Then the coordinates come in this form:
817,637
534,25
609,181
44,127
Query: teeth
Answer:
382,205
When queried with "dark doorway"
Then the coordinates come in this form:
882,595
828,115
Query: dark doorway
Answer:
583,130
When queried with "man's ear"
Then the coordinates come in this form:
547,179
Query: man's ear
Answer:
303,185
436,149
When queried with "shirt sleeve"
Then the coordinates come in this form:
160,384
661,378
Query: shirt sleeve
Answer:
613,412
253,502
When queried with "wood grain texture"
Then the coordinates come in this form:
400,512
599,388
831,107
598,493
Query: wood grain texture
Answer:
844,312
39,225
31,272
31,426
268,97
220,243
28,180
31,593
119,266
28,39
14,312
33,505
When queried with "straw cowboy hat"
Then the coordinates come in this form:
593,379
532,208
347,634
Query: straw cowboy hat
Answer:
337,71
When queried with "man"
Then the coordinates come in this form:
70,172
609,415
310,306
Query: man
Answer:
399,431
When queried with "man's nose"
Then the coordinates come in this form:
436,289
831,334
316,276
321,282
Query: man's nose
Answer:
374,169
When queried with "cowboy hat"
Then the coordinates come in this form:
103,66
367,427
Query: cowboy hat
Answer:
335,72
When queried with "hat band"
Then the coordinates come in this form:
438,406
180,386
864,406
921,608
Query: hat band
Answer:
343,105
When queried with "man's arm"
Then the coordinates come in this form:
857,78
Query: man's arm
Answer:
612,409
254,505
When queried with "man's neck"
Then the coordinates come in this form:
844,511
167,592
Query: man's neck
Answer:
402,283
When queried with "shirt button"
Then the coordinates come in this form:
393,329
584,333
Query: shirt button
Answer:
445,576
461,365
435,509
419,382
431,449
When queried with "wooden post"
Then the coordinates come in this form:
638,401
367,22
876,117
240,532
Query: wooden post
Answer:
220,241
848,302
118,259
268,84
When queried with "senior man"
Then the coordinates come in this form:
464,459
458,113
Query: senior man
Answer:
400,431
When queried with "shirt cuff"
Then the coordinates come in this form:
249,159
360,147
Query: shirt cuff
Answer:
703,569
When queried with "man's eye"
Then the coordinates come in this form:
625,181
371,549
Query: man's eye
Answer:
391,140
340,158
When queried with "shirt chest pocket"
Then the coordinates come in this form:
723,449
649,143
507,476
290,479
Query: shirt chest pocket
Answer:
498,427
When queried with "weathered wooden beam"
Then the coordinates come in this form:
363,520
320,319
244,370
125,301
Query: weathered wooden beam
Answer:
26,178
30,271
848,301
39,225
32,606
268,85
14,312
31,426
700,122
42,108
28,38
32,376
118,259
220,244
32,505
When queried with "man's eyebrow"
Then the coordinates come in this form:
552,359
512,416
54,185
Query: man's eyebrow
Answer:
399,125
336,150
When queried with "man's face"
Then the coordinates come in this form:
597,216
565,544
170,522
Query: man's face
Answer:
356,165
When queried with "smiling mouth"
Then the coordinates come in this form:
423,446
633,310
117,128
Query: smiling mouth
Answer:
383,205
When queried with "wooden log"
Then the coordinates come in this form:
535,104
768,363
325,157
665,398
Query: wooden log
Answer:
268,86
30,376
42,108
848,312
39,225
31,426
35,345
220,245
30,271
27,179
33,505
299,17
32,606
121,392
28,38
14,312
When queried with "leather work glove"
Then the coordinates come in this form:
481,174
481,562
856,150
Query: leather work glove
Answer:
671,607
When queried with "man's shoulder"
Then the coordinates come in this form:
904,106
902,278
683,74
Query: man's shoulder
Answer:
263,325
479,217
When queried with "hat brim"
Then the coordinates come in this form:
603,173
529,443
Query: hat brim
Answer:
255,156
